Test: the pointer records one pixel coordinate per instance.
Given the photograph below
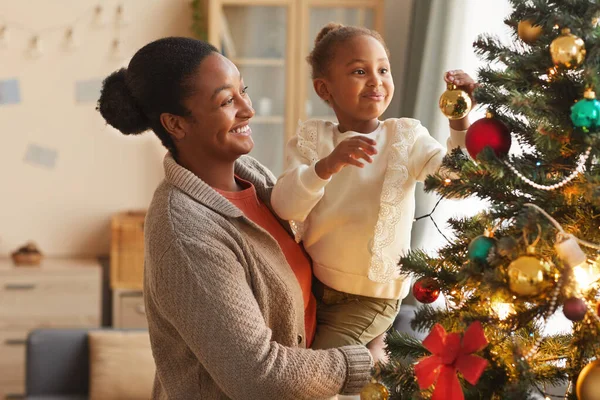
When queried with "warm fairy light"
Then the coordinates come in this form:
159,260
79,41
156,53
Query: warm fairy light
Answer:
586,275
503,310
447,181
35,49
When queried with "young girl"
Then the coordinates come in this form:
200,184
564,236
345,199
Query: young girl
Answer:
356,222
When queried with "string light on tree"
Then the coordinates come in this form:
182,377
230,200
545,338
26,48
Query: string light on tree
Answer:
502,309
567,50
587,275
585,272
551,74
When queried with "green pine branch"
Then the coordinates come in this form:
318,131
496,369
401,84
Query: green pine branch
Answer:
521,87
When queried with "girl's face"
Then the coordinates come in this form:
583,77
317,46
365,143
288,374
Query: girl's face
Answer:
220,112
358,85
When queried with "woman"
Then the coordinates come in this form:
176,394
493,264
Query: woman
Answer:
226,288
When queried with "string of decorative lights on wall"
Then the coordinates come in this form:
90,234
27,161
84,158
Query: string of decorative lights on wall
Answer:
99,16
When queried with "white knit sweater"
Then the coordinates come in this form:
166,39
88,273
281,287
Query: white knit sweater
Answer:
357,224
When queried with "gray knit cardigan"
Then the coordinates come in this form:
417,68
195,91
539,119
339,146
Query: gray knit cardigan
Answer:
224,308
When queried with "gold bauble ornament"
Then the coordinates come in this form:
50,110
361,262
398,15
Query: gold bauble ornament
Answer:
528,32
567,50
374,391
528,275
588,383
455,103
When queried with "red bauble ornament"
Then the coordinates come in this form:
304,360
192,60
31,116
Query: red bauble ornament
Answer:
426,290
488,132
574,309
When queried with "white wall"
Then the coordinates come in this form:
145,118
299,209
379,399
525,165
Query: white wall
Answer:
66,209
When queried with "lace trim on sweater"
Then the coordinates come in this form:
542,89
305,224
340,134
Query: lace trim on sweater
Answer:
383,268
307,146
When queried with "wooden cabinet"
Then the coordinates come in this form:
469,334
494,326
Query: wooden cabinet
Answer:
128,309
269,40
127,250
60,293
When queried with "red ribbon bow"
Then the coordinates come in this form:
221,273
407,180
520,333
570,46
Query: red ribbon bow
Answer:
450,354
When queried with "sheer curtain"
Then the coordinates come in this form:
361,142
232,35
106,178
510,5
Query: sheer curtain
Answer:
442,36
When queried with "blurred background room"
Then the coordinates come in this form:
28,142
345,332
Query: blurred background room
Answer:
74,190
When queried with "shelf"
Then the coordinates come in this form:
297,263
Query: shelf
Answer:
259,62
267,119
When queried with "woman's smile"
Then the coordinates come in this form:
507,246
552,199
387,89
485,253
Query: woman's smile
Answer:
243,130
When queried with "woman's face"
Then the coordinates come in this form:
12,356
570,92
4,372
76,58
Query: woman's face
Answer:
220,112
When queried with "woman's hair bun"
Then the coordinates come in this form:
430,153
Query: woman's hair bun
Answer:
118,107
332,26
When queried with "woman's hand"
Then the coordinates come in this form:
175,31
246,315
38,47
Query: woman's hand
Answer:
463,81
347,152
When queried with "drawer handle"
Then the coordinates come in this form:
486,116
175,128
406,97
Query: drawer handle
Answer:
140,309
19,286
15,342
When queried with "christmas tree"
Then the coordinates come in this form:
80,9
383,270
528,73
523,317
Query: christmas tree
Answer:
533,252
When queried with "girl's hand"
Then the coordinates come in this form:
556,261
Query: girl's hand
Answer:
462,80
347,152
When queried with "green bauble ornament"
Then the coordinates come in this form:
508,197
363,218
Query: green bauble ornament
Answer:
585,113
481,249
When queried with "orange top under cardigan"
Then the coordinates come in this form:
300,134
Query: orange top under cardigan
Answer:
247,201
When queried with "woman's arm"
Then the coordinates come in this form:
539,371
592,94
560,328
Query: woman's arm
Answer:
204,294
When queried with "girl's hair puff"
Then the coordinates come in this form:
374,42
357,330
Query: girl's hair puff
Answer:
329,38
